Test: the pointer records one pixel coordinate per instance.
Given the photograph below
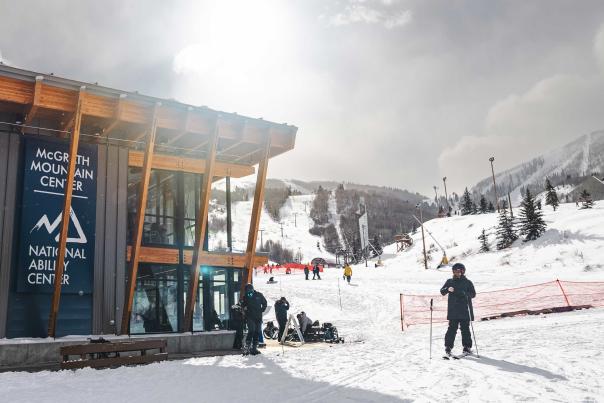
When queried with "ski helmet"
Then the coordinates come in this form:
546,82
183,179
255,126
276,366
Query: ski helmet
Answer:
459,266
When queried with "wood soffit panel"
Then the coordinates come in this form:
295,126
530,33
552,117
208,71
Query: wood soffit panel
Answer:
113,115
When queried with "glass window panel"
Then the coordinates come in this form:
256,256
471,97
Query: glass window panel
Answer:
189,232
192,184
198,316
219,297
155,307
134,178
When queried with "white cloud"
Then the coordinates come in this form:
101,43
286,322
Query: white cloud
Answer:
551,113
599,47
360,13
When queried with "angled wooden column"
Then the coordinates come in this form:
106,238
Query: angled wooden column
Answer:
33,108
256,214
202,223
60,262
229,222
140,220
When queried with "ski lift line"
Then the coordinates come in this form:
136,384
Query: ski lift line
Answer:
432,236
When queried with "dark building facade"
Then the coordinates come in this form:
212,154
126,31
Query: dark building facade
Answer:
109,176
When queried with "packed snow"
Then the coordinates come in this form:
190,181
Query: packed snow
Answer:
556,357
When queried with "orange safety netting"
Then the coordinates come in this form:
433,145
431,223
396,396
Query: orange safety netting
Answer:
415,309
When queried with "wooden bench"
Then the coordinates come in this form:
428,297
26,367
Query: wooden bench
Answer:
99,355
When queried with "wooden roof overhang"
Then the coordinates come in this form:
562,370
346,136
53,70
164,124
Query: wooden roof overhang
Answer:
121,117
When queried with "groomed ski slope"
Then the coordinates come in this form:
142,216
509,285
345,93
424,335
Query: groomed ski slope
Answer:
555,357
296,223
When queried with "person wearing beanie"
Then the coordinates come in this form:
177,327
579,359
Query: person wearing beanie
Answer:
460,292
253,305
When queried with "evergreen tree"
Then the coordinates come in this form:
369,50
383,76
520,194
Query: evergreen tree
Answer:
484,242
505,234
483,205
491,207
538,204
474,208
551,199
531,219
504,204
586,199
466,203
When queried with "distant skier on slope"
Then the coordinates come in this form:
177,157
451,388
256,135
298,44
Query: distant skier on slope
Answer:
316,272
253,305
347,273
461,291
306,271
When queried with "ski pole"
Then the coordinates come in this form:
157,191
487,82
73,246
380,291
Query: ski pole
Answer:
472,326
339,295
431,305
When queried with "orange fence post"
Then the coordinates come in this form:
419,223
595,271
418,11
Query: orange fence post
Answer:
563,292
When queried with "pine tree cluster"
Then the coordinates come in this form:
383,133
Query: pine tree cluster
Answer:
531,221
506,235
484,242
551,198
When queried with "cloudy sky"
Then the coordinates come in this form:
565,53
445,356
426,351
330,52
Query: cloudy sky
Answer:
397,93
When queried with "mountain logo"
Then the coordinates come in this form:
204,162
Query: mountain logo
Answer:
50,228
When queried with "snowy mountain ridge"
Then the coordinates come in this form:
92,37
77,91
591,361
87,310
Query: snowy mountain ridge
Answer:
578,158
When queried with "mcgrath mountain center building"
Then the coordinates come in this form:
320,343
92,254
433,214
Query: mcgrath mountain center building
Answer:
135,174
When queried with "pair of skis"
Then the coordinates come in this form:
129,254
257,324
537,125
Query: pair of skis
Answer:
457,357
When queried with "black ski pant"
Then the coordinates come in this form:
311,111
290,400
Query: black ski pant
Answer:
253,327
306,275
466,336
282,322
238,335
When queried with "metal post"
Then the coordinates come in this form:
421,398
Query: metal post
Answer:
494,185
446,194
431,309
421,219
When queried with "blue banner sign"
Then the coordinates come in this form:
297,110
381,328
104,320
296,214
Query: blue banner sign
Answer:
44,180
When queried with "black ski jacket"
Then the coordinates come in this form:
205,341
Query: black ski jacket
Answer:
254,306
281,308
460,298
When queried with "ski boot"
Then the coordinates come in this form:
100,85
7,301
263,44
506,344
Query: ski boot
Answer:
467,351
246,349
448,354
254,350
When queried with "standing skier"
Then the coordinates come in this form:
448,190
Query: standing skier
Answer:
253,305
459,311
306,271
315,272
347,273
281,307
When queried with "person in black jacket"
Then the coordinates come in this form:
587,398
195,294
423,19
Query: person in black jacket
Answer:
236,323
459,310
253,305
281,307
306,271
316,272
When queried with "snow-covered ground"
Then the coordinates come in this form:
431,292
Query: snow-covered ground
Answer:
555,357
